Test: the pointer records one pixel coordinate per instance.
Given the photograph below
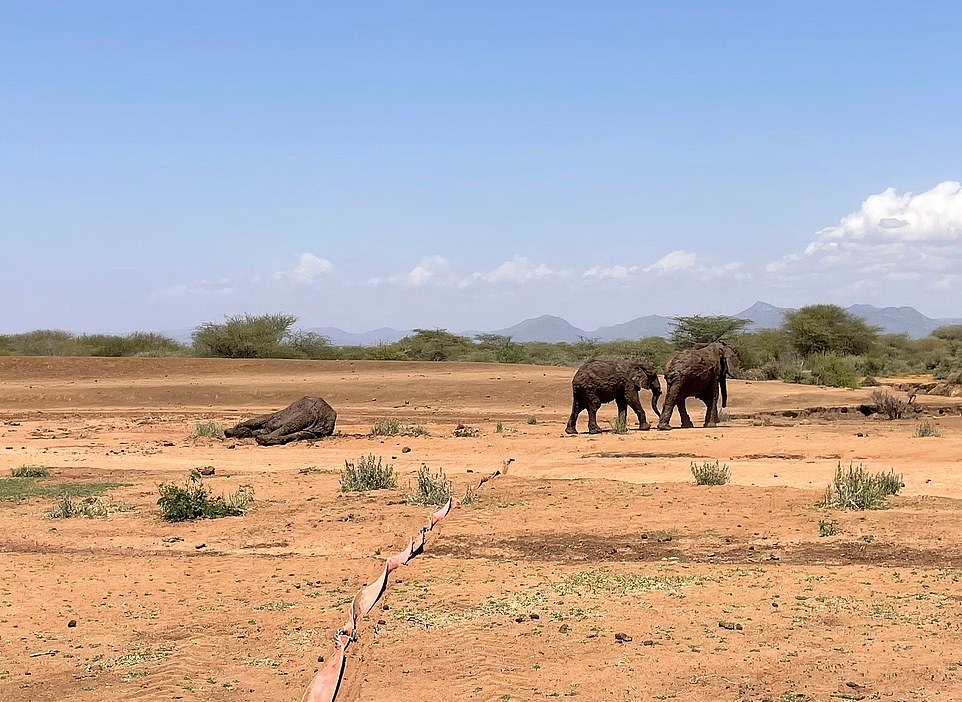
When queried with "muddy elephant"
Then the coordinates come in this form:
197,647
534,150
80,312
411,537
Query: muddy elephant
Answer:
304,420
698,372
598,382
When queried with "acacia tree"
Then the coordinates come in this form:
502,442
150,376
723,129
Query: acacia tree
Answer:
828,329
704,329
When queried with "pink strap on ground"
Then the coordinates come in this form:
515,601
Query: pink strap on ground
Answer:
324,686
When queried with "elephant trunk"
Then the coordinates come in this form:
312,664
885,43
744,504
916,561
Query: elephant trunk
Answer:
722,382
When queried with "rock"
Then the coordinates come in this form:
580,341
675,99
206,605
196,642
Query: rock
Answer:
205,470
406,449
732,626
72,623
622,638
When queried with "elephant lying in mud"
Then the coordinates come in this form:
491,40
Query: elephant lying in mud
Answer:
304,420
598,382
698,372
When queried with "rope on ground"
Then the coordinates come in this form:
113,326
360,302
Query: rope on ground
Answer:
325,685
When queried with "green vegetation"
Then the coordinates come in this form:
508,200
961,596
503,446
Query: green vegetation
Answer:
211,430
367,474
888,404
23,488
857,489
925,429
619,425
826,528
395,427
88,507
710,473
29,472
818,344
430,488
193,501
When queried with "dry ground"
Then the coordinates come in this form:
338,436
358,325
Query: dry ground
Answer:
520,594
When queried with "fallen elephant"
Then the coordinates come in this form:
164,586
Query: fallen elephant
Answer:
304,420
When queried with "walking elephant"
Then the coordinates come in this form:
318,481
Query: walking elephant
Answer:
598,382
303,420
698,372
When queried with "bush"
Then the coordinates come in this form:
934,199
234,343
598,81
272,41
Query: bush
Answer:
855,488
244,336
367,474
211,430
698,329
464,431
888,404
710,473
87,507
833,370
532,420
926,429
828,528
619,425
430,488
395,427
29,472
869,382
193,501
828,329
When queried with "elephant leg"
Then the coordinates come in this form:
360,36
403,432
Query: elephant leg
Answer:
671,398
576,407
593,404
622,411
686,422
710,398
247,429
635,403
277,438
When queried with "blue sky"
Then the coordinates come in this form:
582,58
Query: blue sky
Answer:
470,164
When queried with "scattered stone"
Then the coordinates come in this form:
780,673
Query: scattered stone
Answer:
205,470
732,626
173,539
72,623
622,638
564,629
200,546
534,616
406,449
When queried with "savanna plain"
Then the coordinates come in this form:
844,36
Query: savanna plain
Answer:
595,569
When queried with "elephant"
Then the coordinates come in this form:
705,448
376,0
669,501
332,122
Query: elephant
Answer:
303,420
698,372
598,382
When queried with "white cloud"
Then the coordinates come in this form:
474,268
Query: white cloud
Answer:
614,272
672,262
517,270
891,237
310,267
430,269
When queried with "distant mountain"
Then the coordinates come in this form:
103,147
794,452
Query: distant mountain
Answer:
339,337
900,320
764,316
544,328
551,329
638,328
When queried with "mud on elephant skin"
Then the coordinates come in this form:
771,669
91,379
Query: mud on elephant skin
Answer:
598,382
698,372
304,420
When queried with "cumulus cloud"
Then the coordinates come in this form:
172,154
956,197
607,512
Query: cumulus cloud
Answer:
672,262
614,272
517,270
309,268
890,237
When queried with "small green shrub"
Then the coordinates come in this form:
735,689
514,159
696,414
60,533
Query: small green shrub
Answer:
367,474
193,501
833,370
888,404
857,489
826,528
710,473
619,425
430,488
87,507
395,427
464,431
926,429
211,430
29,472
532,420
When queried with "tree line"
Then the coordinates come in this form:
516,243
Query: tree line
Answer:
819,344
